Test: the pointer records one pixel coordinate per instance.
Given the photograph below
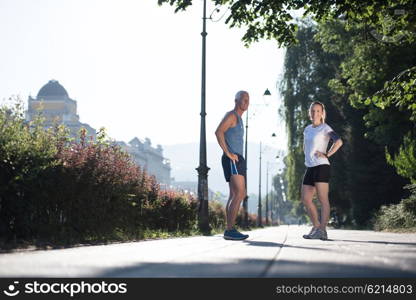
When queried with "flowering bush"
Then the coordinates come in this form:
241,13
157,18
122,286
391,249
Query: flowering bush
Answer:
252,219
172,211
27,153
217,217
55,188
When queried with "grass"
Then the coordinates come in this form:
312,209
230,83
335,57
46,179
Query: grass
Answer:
117,237
400,230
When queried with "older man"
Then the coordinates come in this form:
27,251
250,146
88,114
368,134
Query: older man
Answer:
230,136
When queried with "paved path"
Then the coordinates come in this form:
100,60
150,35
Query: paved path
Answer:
270,252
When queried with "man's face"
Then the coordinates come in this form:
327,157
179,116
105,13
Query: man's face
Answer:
244,102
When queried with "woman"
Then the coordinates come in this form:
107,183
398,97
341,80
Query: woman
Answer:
316,179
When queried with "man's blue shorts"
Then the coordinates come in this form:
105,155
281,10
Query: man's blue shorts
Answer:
233,168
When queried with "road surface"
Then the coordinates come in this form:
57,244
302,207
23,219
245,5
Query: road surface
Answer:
269,252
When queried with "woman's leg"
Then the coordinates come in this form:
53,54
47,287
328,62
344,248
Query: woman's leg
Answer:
322,189
307,196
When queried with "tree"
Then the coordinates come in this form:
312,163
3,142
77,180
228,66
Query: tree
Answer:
307,70
361,179
271,19
367,77
282,210
361,59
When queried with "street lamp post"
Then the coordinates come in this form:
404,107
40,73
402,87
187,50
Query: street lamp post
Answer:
273,199
267,194
245,201
273,208
203,168
259,219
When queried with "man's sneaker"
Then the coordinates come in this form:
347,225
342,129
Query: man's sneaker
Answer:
233,234
238,232
308,236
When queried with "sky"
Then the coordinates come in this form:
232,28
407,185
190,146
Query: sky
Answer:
135,67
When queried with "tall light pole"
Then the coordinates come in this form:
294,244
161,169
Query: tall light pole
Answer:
245,201
203,169
267,188
259,220
271,208
267,194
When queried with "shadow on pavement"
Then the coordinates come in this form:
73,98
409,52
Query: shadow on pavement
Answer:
272,244
377,242
254,268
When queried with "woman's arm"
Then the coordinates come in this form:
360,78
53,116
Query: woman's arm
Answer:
334,148
337,143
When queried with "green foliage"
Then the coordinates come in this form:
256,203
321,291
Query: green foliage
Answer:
295,89
216,215
170,211
370,53
252,219
27,151
360,61
307,71
399,216
405,160
281,207
361,179
400,92
368,78
63,191
266,19
218,221
392,21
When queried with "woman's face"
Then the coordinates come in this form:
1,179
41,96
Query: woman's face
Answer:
316,113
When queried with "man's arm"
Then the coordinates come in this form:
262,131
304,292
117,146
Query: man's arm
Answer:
225,124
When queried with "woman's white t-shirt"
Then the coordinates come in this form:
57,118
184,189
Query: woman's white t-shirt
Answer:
316,139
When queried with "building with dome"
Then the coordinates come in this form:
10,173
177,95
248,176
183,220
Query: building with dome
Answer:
55,105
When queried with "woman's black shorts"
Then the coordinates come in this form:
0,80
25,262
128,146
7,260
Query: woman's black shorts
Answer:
320,173
231,168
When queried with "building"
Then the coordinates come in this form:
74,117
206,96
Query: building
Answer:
190,187
149,158
55,105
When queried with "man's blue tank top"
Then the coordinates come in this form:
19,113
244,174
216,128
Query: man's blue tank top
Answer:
234,137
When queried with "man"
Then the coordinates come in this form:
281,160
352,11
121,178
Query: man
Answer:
230,136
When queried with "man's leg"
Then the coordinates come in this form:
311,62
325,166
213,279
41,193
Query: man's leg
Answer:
228,208
237,194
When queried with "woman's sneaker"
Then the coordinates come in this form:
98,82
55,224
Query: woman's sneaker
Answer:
234,234
311,233
316,234
324,236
